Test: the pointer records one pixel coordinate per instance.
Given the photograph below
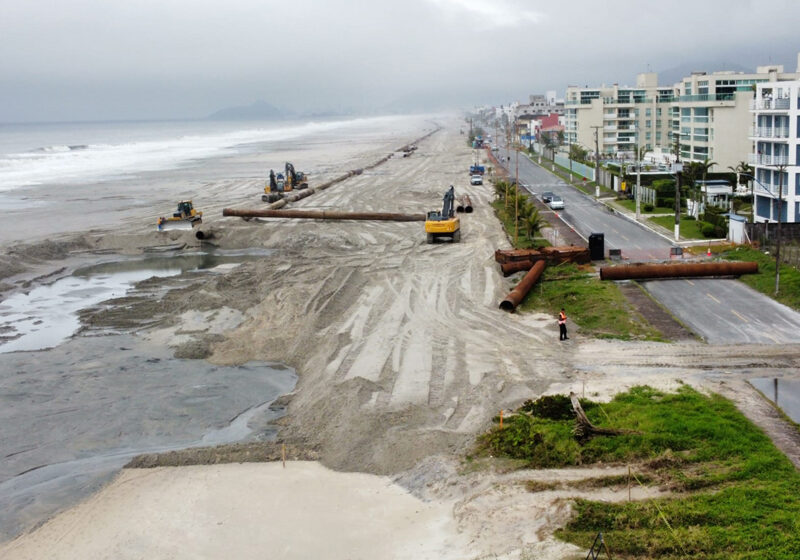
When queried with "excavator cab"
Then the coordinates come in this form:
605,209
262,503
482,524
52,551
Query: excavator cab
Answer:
294,179
444,223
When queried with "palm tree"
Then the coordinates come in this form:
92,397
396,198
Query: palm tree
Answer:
532,223
705,166
743,169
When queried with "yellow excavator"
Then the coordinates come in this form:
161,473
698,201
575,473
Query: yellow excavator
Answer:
186,217
281,184
444,223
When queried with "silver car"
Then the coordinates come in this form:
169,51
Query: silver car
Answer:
556,203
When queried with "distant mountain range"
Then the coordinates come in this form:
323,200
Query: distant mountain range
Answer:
259,110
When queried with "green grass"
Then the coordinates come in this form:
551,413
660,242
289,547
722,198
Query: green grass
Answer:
736,496
597,307
506,217
764,281
631,206
689,228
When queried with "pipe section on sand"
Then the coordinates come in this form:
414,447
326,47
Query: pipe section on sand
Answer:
682,270
515,297
324,215
205,233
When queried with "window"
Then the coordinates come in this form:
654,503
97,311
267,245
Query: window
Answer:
687,88
702,87
648,112
647,124
701,114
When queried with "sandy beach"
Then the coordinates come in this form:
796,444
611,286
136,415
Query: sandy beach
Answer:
402,358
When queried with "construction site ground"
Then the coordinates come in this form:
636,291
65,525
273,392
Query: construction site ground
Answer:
402,354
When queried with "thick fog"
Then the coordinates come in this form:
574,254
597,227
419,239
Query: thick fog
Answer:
117,59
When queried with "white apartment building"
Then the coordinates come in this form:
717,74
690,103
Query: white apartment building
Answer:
776,151
710,113
619,119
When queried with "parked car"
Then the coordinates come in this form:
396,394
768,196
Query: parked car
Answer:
556,203
546,196
476,180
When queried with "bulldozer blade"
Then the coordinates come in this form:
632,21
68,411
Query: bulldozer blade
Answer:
172,226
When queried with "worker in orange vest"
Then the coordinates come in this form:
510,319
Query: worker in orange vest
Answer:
562,325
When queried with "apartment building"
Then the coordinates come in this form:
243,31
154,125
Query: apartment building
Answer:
776,150
618,119
709,113
539,105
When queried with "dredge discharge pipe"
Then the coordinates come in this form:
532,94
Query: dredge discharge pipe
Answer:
683,270
516,295
324,215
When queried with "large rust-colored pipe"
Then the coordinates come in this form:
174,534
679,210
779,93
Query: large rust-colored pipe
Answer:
467,204
516,295
323,215
682,270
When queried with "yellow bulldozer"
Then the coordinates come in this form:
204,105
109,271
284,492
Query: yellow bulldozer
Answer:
185,217
444,223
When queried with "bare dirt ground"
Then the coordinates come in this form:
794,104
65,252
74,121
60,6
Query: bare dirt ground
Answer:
402,354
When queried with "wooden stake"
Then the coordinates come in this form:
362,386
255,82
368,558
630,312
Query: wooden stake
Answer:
629,483
501,419
283,454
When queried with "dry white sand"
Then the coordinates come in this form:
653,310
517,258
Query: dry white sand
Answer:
248,511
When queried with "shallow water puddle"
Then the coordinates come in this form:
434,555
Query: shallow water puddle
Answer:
785,393
47,315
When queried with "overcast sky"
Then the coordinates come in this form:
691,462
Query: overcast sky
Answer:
127,59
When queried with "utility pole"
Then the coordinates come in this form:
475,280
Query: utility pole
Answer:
516,194
678,170
596,162
781,169
638,189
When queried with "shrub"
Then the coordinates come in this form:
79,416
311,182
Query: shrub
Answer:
649,207
706,229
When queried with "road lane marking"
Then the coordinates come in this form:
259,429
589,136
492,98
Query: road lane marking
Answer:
741,317
623,237
690,282
772,338
715,299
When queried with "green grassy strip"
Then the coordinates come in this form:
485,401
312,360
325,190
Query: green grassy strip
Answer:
689,228
506,217
599,308
630,205
764,281
737,495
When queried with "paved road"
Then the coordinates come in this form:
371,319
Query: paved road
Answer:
721,311
587,216
724,311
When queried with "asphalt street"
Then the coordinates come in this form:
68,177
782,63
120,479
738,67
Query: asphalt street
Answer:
720,311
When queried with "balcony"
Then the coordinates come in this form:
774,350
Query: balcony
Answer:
769,132
764,159
763,104
707,97
610,128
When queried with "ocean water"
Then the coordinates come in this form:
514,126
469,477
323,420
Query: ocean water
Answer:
42,154
67,177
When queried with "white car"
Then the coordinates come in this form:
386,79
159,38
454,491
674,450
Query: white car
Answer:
476,180
556,203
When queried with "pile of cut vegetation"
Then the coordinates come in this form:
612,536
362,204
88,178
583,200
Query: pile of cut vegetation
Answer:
734,495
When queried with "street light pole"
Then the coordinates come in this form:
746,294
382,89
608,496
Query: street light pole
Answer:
781,169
